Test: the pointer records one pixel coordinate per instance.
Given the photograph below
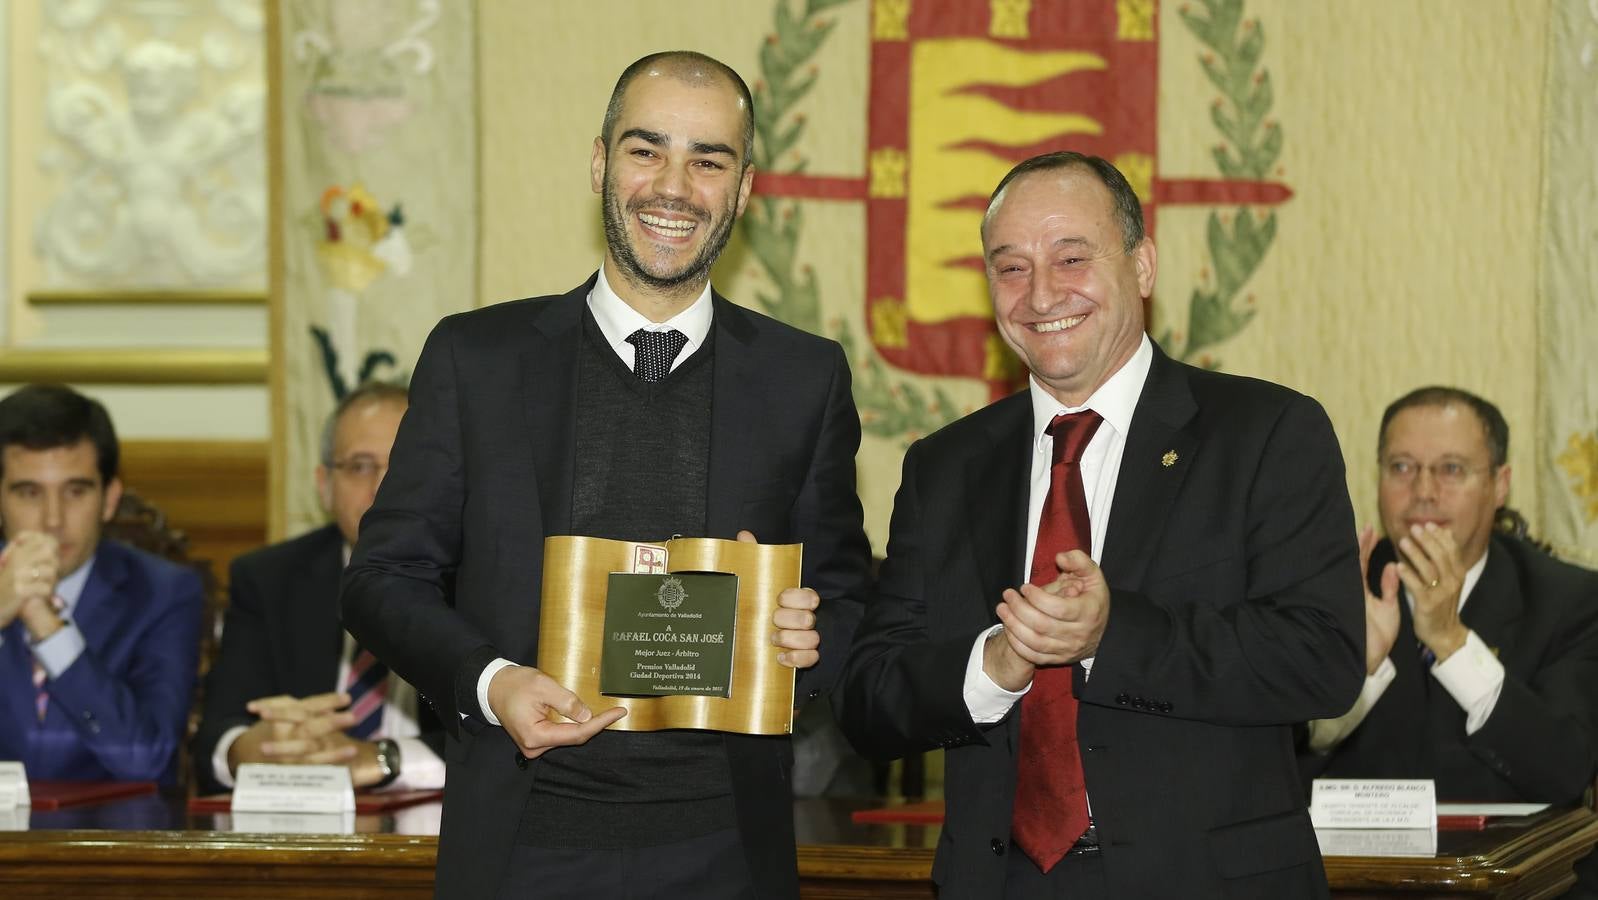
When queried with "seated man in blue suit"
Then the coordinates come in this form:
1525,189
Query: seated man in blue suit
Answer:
98,641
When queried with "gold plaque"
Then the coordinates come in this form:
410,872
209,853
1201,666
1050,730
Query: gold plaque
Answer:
571,628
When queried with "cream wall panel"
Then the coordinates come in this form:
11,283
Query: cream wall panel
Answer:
162,325
542,111
25,132
1408,254
215,33
6,56
220,412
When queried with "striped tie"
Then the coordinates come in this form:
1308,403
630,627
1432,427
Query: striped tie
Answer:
41,695
367,687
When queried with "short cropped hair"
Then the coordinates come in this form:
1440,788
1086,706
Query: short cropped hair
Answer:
1128,210
685,65
370,392
1492,421
47,416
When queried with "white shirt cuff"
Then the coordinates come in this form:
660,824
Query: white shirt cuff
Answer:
219,767
420,767
59,651
1324,734
1474,677
482,689
984,699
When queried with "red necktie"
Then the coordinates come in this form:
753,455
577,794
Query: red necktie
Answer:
1051,809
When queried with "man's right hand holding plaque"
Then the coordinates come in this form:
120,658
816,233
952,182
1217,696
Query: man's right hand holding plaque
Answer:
528,703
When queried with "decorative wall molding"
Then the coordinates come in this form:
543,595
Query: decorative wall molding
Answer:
167,366
147,298
155,152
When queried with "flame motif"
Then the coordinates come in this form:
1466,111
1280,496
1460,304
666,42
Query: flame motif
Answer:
1039,99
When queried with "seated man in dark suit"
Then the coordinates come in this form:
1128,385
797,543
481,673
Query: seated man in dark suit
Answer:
289,685
98,641
1482,650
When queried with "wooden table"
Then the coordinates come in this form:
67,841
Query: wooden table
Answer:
149,846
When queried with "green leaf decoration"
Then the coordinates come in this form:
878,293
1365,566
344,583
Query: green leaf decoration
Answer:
889,406
1251,145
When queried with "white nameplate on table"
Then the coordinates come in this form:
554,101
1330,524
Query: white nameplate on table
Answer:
13,786
1373,803
14,818
293,823
1420,842
293,789
1490,809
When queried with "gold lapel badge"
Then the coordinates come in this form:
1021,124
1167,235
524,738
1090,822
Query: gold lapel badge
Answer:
1169,459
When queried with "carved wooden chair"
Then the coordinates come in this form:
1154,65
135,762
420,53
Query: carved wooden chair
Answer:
139,524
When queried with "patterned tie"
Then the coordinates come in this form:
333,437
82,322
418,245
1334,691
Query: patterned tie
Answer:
1051,809
41,695
367,687
654,352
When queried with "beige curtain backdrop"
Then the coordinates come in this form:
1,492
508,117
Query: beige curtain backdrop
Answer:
1394,242
375,177
1567,462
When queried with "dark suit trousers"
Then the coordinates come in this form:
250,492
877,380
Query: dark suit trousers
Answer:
709,867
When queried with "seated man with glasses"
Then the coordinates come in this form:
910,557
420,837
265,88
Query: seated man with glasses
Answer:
1481,650
289,685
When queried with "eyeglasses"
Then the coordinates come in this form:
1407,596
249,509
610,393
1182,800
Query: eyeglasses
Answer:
1448,473
360,468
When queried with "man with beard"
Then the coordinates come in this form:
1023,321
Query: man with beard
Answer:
639,406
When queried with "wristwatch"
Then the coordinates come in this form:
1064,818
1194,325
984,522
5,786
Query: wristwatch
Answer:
388,762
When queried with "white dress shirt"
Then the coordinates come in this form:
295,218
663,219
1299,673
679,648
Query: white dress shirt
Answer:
1115,401
1472,675
616,322
420,768
56,653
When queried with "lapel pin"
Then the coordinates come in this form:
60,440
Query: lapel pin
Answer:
1169,459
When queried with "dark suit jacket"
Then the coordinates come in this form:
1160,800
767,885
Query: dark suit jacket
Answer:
447,572
1541,741
282,636
1234,611
119,712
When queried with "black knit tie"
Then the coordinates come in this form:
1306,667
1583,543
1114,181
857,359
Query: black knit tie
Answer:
654,352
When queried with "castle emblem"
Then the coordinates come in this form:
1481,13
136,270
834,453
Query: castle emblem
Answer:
671,593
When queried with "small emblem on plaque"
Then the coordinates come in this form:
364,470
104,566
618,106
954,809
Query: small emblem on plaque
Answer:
649,560
671,593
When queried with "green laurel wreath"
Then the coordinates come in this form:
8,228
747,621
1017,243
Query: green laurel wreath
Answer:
771,227
1252,145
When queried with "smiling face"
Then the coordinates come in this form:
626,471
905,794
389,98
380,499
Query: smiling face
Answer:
1067,296
59,492
1440,439
673,181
